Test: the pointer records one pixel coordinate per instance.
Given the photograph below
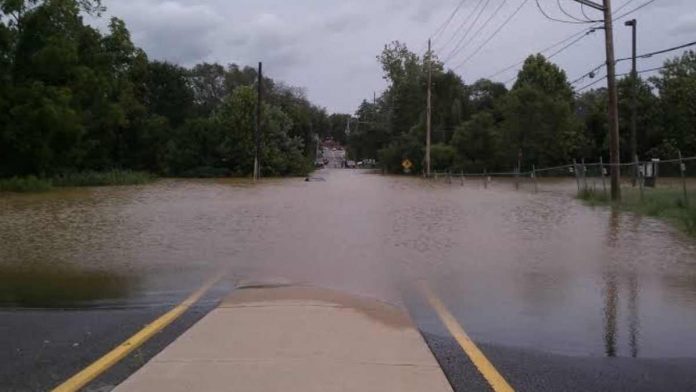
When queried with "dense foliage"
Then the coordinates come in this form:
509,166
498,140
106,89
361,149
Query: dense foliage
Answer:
486,126
74,99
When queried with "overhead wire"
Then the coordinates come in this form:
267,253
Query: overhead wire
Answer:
582,9
495,33
444,25
461,27
547,16
621,74
582,33
568,14
640,56
624,5
468,30
480,29
634,10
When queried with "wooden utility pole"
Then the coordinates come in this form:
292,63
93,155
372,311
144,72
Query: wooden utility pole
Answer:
634,103
613,103
428,113
257,134
613,110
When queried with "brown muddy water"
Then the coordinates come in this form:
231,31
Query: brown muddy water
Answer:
520,269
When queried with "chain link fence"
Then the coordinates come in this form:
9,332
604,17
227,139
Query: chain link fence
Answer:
673,179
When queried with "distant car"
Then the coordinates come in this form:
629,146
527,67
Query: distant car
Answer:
350,164
333,149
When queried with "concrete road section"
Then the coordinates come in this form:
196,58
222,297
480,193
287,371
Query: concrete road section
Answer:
295,339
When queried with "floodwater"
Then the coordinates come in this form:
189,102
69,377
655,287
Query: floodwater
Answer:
539,271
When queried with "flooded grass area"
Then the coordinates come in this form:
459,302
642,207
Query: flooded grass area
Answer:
25,184
33,184
667,203
51,286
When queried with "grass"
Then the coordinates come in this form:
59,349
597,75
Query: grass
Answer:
25,184
663,203
95,178
87,178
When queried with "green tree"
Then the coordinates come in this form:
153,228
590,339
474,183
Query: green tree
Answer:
168,92
476,142
209,89
677,90
538,117
545,76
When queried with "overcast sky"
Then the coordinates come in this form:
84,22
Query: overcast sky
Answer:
329,46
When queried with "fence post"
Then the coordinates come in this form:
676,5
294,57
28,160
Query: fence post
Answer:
641,183
682,169
536,185
584,174
485,179
577,174
601,171
517,178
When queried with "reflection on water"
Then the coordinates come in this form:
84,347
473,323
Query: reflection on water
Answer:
520,269
60,286
611,295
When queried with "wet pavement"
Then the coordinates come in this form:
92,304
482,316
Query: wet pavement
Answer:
549,288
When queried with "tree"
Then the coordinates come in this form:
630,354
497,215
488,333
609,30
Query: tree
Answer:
542,128
476,142
484,93
168,92
677,90
547,77
649,129
208,84
538,118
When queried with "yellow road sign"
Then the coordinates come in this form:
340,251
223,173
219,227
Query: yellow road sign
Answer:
406,164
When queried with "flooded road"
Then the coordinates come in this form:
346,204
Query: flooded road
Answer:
521,270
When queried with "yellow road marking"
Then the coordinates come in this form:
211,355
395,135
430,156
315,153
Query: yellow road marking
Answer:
485,367
101,365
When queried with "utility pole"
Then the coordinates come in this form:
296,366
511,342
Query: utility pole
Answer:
613,103
257,134
634,102
613,110
428,113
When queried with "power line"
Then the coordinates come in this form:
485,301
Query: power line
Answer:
582,33
635,9
492,35
571,44
622,6
641,56
547,16
582,9
672,49
621,74
591,84
443,26
461,26
571,16
480,29
471,26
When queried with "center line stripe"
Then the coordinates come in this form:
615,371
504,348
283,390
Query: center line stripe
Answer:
485,367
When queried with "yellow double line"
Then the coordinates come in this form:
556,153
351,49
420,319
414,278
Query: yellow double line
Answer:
484,366
101,365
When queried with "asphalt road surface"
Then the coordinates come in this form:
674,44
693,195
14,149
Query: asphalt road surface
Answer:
558,296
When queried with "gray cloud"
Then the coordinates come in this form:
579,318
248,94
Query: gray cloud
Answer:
329,47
